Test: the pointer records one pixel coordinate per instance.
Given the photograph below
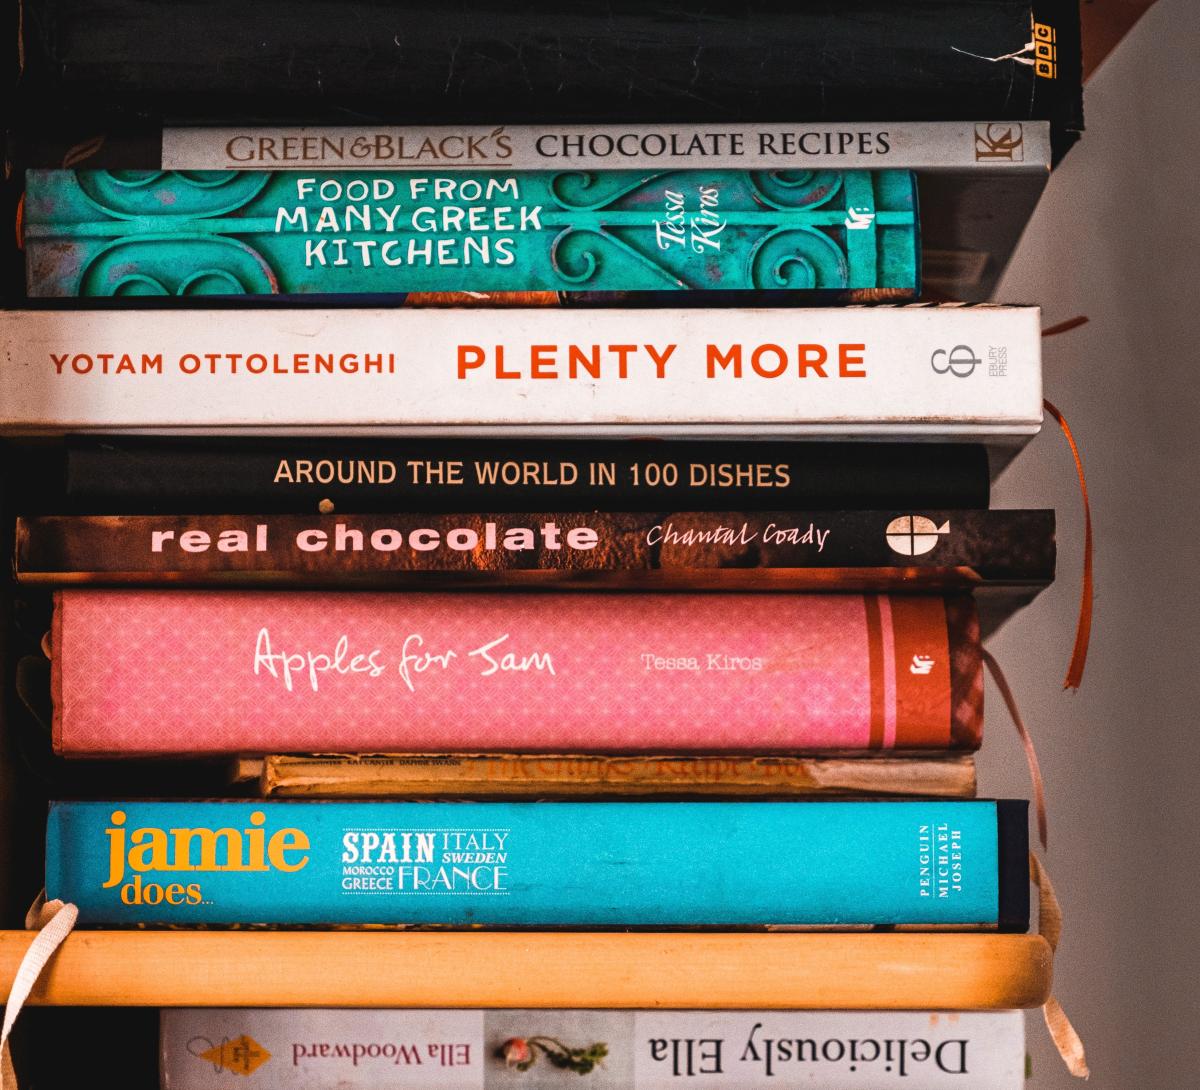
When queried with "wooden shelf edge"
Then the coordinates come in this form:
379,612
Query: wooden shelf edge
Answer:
539,969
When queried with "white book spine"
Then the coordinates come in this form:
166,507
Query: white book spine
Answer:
889,372
929,145
642,1050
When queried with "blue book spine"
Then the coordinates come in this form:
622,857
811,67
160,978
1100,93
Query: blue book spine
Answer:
548,864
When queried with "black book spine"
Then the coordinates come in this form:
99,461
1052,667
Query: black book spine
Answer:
1012,822
131,476
486,62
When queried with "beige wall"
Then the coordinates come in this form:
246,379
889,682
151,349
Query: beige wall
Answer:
1117,237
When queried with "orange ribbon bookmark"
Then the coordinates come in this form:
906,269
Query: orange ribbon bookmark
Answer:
1083,629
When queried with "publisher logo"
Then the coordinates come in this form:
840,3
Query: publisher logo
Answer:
241,1056
1000,140
914,535
1045,51
859,219
959,361
921,665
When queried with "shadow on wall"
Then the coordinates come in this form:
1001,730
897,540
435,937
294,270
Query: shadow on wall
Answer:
1117,237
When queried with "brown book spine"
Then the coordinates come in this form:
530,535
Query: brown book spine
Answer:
483,775
799,550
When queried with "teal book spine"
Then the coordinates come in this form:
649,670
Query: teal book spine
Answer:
945,864
539,235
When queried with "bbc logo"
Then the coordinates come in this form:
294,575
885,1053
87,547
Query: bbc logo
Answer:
1045,53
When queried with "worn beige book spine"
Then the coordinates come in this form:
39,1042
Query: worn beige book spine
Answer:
541,775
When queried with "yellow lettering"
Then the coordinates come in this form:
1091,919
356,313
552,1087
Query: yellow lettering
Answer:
284,841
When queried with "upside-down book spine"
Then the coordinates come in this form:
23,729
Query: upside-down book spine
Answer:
642,1050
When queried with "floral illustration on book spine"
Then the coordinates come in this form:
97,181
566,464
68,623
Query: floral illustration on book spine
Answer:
521,1053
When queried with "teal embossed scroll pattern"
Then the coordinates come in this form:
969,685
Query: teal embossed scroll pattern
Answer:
221,233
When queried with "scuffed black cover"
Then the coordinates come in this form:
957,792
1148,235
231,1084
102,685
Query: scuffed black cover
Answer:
193,476
1012,828
494,62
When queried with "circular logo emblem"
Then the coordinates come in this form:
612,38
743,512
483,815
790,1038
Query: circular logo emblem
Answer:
912,535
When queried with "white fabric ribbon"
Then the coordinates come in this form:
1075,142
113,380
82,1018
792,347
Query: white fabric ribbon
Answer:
53,921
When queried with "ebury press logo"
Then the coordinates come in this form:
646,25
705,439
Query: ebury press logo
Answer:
1000,140
959,361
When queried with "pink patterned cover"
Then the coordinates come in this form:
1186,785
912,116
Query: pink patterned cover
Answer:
191,672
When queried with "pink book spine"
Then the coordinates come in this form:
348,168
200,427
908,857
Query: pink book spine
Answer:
184,672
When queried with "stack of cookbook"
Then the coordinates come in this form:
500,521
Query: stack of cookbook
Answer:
530,578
